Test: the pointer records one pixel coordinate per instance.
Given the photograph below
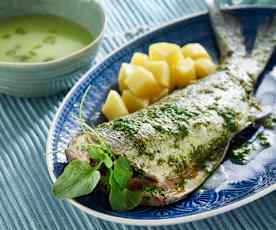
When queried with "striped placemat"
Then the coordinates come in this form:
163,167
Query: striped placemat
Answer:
26,202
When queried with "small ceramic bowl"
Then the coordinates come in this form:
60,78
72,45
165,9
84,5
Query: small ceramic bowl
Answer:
49,78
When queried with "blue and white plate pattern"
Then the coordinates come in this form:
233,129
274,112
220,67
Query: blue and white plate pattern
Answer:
229,187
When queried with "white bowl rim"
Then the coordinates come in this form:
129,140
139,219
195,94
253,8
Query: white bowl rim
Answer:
150,222
58,61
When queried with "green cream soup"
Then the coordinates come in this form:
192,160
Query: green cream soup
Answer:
40,38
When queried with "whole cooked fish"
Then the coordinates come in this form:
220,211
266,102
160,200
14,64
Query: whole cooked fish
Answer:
176,143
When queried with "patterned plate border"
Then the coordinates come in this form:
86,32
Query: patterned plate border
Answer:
259,189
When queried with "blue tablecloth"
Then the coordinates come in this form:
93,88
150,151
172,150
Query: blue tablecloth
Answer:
26,202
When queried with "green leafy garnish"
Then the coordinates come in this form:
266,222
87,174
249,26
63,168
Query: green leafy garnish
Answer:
122,172
78,179
120,197
81,177
122,200
108,162
102,154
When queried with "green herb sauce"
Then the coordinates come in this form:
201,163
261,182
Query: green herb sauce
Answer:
175,118
229,117
263,139
154,192
126,126
269,122
240,155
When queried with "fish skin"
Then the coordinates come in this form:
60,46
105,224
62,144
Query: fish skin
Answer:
207,133
200,98
206,130
177,153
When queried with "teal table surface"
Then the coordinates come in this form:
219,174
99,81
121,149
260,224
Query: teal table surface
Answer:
26,202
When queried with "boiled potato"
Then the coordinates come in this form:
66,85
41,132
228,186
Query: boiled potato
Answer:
204,67
142,83
185,72
163,93
169,52
114,106
164,51
139,59
132,102
125,70
160,70
195,51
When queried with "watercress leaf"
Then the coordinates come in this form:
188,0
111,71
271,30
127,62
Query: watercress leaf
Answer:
116,199
112,183
134,198
96,153
78,179
108,162
123,200
96,177
122,171
99,153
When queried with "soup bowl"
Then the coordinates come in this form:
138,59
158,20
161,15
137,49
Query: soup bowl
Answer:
49,78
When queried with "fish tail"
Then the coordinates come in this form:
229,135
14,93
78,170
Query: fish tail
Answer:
264,46
227,30
230,41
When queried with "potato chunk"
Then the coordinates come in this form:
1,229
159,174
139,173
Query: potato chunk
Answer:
124,71
163,93
169,52
160,70
139,59
195,51
132,102
163,51
185,72
204,67
114,106
142,83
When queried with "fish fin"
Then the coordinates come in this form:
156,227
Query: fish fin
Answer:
227,30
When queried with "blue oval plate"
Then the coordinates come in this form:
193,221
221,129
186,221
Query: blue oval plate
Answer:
226,189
